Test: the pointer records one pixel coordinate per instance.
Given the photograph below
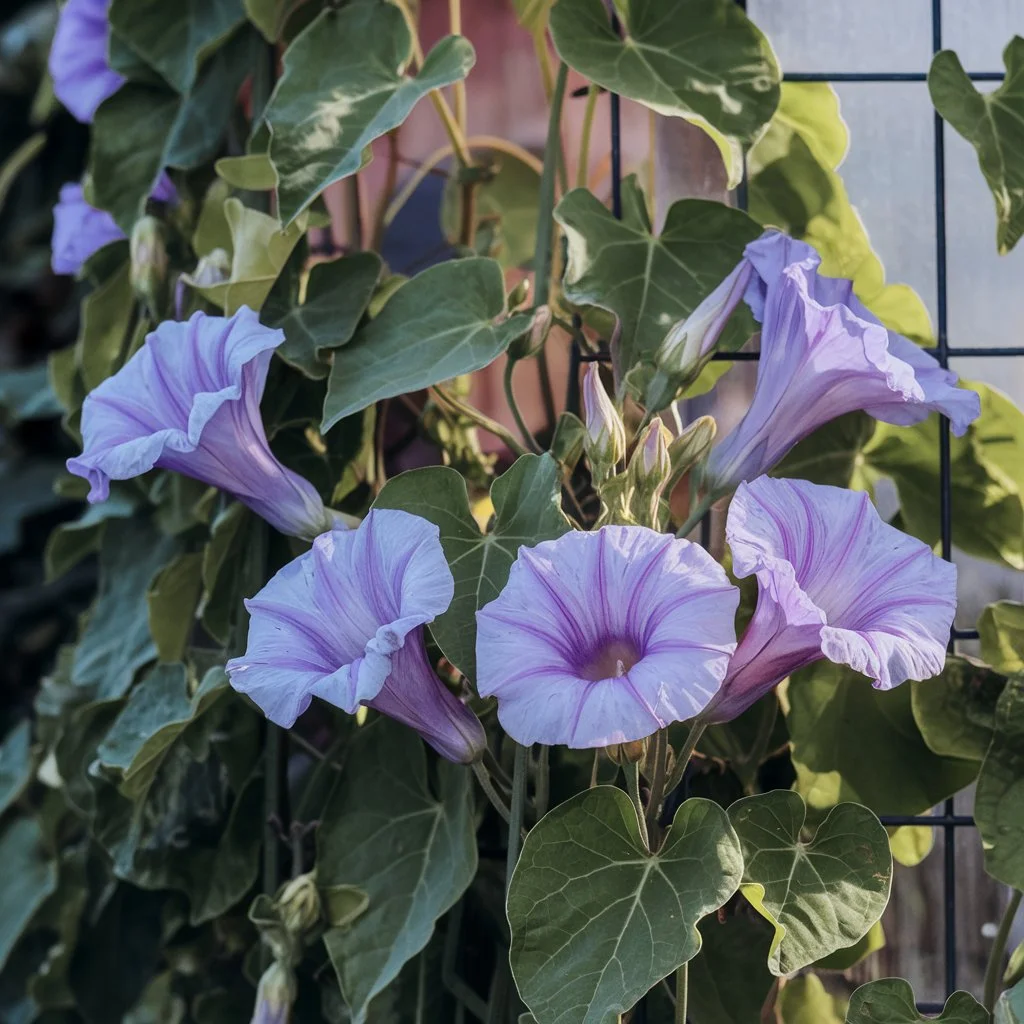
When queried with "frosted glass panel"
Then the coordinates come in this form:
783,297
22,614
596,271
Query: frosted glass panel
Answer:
847,35
980,29
890,177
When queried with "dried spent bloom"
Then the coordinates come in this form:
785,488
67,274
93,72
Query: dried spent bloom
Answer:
79,230
606,434
834,581
189,401
344,622
605,637
81,73
823,354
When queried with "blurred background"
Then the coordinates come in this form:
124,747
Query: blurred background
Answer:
889,175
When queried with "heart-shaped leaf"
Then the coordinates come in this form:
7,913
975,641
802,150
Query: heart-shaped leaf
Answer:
821,895
702,60
1001,628
891,1001
989,121
343,86
527,510
411,852
437,326
596,919
1010,1006
650,281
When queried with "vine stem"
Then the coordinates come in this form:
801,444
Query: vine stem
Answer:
696,515
682,992
632,772
583,165
659,758
491,791
517,809
479,418
517,414
994,969
685,753
459,89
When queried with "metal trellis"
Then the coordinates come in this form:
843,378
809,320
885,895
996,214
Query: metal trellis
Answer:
945,818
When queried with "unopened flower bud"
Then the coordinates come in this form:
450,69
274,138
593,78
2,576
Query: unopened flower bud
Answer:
299,904
519,294
627,753
213,268
530,344
605,439
651,459
275,995
149,259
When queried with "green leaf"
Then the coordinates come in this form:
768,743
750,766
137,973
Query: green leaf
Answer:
1010,1006
337,295
649,282
106,325
15,763
27,486
116,641
175,38
872,942
18,161
413,854
833,454
142,129
269,16
26,394
172,598
999,798
729,977
989,121
853,742
527,507
343,86
891,1001
71,542
260,248
804,1000
439,325
794,186
596,919
1001,628
704,61
533,14
821,895
223,586
29,876
253,172
506,206
955,711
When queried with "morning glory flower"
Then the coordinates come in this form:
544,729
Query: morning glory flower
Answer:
834,581
344,622
79,66
605,637
189,401
823,354
79,229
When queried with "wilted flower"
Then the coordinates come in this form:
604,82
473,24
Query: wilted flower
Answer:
189,401
79,230
823,354
606,434
834,581
344,622
81,72
605,637
275,995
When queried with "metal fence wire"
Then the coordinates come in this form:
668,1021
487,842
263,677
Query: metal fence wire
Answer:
945,818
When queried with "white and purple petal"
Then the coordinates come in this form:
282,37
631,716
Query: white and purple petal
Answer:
79,231
79,63
189,401
343,622
836,582
605,637
823,353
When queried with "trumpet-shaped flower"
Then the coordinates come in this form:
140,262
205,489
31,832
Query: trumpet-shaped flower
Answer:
834,581
82,75
344,622
823,354
605,637
189,401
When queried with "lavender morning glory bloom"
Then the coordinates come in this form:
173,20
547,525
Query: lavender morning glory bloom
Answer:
834,581
81,72
189,401
344,622
823,354
79,230
605,637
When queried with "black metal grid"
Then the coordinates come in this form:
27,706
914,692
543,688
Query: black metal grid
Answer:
945,818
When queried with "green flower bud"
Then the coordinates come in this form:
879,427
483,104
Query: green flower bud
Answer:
299,904
605,439
519,294
627,753
149,260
